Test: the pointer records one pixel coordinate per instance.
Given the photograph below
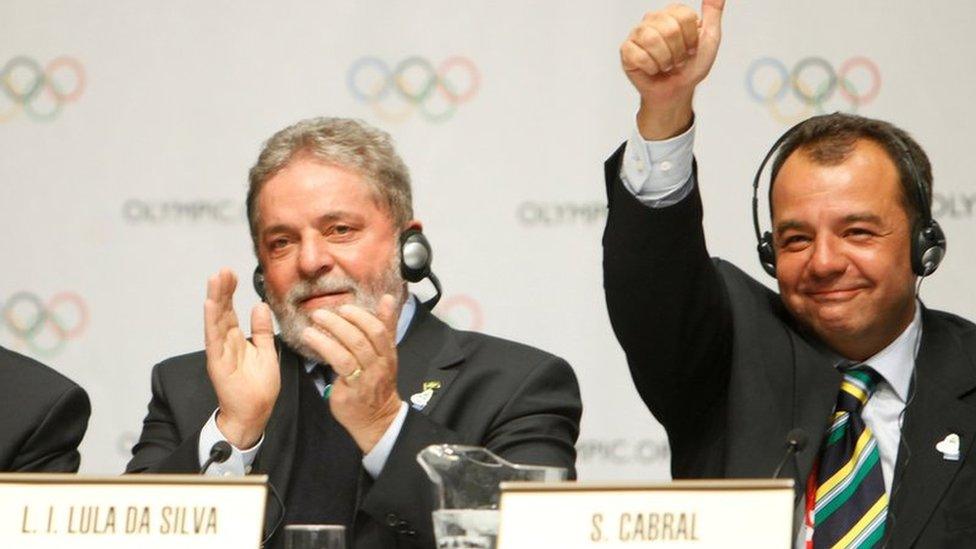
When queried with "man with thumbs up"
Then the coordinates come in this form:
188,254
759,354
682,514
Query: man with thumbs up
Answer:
843,381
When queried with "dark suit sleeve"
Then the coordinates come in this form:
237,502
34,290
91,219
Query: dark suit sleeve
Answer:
538,424
161,447
53,445
667,304
402,497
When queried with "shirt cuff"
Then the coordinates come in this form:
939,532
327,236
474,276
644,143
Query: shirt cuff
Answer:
239,462
659,173
374,461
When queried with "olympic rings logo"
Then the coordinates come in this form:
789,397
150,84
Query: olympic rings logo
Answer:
44,328
41,92
414,84
812,86
461,312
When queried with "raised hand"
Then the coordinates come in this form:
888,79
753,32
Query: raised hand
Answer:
665,57
244,373
361,349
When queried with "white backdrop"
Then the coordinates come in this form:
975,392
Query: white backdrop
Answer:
123,174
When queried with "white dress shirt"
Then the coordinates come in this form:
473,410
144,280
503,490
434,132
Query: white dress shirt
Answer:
240,460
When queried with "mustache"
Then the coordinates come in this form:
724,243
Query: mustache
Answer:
306,289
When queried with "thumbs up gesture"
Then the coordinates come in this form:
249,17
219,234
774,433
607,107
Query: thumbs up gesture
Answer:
665,57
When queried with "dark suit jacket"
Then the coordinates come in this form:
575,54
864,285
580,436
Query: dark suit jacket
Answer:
722,365
43,417
519,402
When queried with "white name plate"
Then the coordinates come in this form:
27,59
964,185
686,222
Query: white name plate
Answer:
689,513
144,511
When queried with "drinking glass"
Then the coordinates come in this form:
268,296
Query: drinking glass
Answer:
315,536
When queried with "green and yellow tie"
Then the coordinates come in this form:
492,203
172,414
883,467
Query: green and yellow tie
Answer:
327,375
851,503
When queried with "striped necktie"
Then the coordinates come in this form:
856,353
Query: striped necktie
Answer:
851,503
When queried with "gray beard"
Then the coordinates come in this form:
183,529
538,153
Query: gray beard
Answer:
292,319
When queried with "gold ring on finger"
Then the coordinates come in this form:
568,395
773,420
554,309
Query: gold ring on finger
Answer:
354,376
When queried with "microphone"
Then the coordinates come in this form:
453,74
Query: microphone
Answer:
796,441
281,516
219,453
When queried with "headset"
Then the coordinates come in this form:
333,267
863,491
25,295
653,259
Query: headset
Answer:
928,241
416,257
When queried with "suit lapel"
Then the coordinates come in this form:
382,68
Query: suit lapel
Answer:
816,386
943,374
280,436
427,354
786,383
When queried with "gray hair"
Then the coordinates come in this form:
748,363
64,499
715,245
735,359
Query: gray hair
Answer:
341,142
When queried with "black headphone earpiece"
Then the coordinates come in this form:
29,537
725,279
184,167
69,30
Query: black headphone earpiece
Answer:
257,280
416,255
928,241
764,240
928,247
767,254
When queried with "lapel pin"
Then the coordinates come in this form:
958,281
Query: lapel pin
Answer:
419,400
949,446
